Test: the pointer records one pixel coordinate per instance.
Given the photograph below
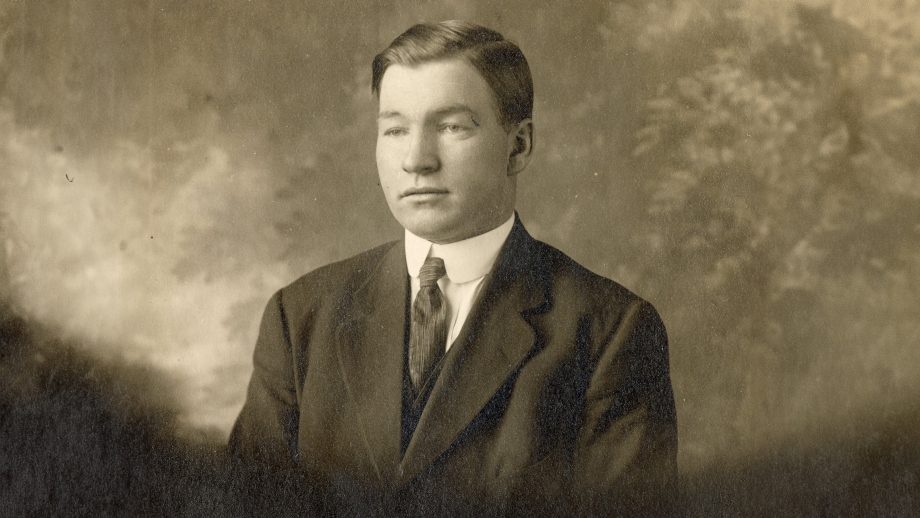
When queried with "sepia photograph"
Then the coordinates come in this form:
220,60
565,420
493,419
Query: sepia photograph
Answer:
460,258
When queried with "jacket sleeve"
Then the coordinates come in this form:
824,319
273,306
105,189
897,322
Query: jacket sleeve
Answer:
265,433
626,456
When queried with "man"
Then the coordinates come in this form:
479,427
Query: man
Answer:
467,367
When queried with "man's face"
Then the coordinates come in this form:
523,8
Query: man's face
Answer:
442,153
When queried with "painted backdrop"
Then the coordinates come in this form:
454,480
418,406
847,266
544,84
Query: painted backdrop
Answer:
752,168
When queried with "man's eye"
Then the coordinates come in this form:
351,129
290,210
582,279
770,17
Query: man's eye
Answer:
452,128
394,132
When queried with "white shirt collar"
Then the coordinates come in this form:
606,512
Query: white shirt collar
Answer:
464,260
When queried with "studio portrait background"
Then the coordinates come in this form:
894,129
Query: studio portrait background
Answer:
752,168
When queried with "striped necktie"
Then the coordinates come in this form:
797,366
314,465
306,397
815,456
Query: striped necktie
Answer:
428,332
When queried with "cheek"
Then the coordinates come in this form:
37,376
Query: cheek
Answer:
386,182
490,165
482,158
385,164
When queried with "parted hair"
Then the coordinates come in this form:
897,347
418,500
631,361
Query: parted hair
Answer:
500,62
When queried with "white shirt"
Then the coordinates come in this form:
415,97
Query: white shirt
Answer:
467,262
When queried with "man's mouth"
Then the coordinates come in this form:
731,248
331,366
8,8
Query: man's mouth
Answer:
422,192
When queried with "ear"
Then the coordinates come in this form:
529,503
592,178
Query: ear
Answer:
520,144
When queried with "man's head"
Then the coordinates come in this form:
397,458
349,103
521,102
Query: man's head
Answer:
454,128
499,61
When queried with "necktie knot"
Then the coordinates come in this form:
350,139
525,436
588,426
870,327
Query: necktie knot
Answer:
431,271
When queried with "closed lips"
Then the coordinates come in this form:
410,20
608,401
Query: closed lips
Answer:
416,191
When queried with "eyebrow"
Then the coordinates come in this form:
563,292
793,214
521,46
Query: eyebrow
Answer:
388,115
440,112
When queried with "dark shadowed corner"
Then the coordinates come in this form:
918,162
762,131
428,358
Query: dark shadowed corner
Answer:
869,466
84,437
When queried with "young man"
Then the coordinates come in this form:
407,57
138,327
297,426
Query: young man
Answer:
467,366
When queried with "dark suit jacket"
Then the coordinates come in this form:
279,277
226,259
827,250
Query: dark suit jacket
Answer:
555,398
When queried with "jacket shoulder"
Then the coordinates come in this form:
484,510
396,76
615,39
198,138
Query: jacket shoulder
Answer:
334,280
570,277
579,290
604,304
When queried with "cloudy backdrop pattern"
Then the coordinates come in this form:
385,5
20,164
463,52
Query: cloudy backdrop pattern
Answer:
752,168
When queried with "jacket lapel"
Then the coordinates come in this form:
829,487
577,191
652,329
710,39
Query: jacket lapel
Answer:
370,353
496,339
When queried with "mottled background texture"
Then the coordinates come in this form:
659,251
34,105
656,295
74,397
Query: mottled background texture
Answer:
752,168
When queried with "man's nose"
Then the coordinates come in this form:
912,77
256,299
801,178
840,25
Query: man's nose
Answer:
422,156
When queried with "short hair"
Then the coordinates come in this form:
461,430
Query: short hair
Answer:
500,62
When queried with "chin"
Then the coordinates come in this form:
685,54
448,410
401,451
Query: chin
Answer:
430,228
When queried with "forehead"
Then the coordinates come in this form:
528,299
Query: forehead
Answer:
434,85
